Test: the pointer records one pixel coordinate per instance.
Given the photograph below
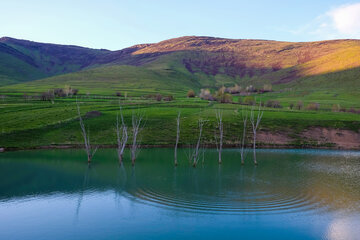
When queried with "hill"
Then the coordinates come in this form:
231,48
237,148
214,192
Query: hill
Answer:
178,64
22,60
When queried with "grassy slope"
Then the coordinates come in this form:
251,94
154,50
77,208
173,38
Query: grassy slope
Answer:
198,62
35,123
22,61
13,70
329,76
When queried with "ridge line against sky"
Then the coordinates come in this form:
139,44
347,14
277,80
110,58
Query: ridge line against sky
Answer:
115,25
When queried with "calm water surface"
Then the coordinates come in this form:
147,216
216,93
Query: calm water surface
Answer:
291,194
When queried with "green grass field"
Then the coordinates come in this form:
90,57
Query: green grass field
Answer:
34,123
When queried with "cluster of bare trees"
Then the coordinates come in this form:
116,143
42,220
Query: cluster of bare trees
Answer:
122,135
196,151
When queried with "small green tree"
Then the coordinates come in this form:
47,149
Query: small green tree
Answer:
249,100
190,94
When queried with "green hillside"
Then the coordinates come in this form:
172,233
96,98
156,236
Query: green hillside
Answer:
22,60
176,65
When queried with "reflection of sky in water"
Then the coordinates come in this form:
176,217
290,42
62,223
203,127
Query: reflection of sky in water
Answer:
344,229
292,194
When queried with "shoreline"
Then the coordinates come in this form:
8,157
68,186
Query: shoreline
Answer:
207,146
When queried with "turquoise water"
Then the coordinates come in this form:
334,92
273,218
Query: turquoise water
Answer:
291,194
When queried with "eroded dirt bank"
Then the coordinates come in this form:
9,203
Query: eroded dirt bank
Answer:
316,137
313,137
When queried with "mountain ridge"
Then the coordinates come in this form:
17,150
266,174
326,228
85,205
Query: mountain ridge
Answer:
205,61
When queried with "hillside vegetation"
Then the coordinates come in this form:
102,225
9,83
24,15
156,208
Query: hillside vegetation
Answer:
187,62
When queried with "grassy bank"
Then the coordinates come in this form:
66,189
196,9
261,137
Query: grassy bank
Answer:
34,123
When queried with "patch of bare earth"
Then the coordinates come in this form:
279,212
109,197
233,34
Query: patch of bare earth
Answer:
271,138
343,139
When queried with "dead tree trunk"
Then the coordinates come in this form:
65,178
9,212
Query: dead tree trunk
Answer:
196,152
255,124
136,128
219,136
89,152
122,136
177,138
242,151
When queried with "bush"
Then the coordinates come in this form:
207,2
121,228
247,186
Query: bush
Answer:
158,97
118,94
47,96
240,100
206,95
249,100
75,91
299,105
59,92
273,104
291,106
352,110
250,88
267,88
313,106
336,108
190,93
234,90
222,97
168,98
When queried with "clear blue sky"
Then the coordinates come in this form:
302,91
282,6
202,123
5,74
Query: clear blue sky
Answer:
118,24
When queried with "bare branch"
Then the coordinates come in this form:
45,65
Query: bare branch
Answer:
244,119
255,124
121,134
220,134
136,128
177,138
85,135
196,151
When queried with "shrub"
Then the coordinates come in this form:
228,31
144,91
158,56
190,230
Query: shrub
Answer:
46,96
250,88
59,92
158,97
267,88
336,108
291,106
206,95
273,104
118,94
352,110
75,91
234,90
299,105
313,106
168,98
222,97
249,100
240,100
190,93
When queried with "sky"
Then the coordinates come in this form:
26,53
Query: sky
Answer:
117,24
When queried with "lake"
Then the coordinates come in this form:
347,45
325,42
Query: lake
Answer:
291,194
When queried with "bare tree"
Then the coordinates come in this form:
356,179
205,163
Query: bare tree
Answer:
122,136
136,128
220,135
255,124
177,138
89,152
196,152
242,151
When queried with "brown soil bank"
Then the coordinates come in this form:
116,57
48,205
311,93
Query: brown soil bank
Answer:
313,137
